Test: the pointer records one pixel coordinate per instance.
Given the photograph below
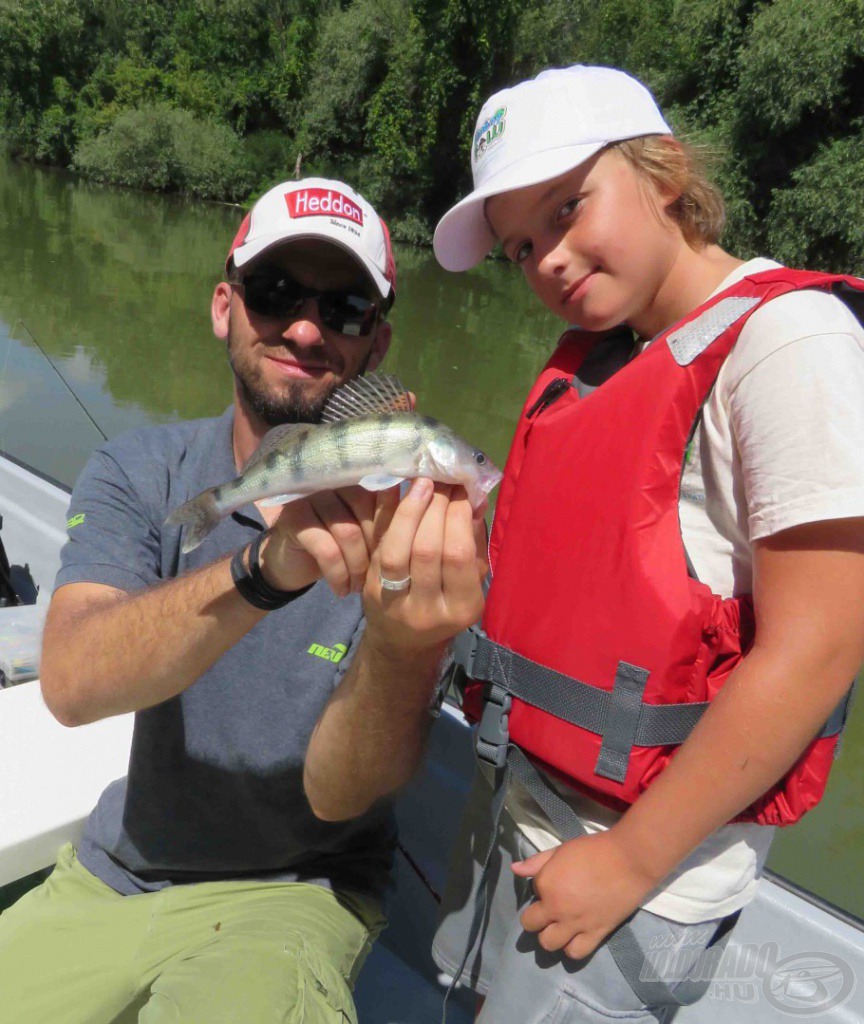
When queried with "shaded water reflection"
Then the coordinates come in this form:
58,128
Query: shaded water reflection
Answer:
115,288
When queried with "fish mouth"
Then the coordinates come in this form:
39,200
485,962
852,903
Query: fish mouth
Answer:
491,480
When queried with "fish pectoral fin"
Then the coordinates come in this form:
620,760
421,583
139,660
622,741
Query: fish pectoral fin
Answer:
280,499
380,481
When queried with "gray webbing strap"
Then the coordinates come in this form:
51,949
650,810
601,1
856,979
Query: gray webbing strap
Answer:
622,722
837,722
579,703
638,970
478,922
655,725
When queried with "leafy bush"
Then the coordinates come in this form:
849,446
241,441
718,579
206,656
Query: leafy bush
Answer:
161,148
818,220
272,155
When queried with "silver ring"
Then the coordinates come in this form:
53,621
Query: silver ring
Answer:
394,584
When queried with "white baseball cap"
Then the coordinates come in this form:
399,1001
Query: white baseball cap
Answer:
535,131
318,208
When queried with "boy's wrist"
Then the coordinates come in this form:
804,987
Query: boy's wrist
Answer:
645,849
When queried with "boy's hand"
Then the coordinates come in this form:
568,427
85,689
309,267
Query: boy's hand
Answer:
585,888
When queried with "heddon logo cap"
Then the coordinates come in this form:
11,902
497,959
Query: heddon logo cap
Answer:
318,208
535,131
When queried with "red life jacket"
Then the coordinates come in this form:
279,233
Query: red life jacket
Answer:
593,626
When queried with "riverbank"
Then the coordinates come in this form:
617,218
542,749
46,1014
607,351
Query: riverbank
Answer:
217,100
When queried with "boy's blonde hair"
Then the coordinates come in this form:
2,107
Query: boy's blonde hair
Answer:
676,165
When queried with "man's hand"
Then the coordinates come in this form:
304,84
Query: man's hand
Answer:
329,535
334,534
585,888
434,537
370,738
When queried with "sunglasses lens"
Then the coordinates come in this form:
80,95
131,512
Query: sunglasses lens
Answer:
346,313
274,295
280,296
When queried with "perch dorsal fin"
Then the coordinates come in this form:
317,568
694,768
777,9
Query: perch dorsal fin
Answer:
366,396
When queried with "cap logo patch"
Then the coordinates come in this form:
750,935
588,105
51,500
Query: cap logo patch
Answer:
489,133
322,202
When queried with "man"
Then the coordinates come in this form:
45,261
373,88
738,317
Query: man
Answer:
204,888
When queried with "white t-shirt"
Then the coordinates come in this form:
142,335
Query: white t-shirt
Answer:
780,443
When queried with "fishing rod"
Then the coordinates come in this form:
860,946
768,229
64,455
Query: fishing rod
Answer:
66,383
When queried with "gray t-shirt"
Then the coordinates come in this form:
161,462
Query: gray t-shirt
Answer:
214,788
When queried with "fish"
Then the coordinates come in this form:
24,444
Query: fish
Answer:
368,434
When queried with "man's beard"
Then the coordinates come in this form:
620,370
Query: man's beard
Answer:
290,403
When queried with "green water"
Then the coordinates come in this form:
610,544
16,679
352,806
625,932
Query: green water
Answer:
115,288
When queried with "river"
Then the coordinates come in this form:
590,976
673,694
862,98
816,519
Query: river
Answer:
114,286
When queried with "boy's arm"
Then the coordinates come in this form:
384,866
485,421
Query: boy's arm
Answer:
808,596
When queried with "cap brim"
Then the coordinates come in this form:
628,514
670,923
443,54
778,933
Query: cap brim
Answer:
463,236
250,251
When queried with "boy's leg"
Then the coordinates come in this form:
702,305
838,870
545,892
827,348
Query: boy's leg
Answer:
532,985
260,952
523,983
506,892
67,950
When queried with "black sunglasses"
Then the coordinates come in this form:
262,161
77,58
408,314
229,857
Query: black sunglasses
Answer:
276,295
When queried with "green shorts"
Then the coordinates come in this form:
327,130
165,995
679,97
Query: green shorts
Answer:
73,951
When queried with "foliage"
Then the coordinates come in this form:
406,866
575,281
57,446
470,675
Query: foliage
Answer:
162,148
818,219
222,97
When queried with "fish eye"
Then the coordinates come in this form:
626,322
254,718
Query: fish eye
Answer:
480,458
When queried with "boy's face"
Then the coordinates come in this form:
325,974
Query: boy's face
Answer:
595,244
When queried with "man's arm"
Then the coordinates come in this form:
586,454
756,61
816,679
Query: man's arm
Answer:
106,651
371,736
808,596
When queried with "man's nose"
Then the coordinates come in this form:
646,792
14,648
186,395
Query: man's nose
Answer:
305,329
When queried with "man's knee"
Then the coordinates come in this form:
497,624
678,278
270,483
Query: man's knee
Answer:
288,984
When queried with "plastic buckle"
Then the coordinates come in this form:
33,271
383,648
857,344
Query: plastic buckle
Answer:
493,735
465,650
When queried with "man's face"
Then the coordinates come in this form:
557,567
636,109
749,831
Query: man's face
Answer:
286,368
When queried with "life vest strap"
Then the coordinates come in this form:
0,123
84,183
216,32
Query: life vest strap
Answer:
620,716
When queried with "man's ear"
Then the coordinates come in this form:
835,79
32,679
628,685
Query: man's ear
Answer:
383,337
220,310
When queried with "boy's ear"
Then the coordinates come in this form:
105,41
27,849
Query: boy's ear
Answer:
668,191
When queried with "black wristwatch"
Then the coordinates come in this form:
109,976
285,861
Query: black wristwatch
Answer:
251,583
